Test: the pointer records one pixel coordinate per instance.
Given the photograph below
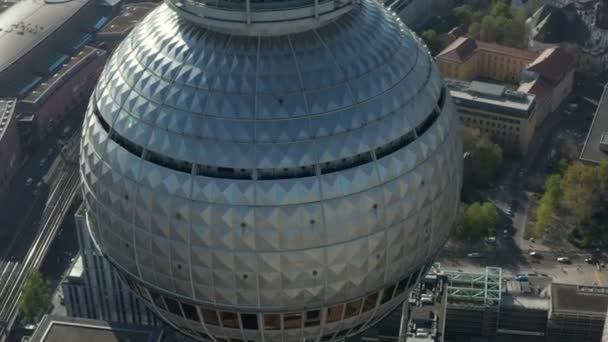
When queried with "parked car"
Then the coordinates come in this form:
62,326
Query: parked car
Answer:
474,255
490,239
522,277
535,254
28,181
563,260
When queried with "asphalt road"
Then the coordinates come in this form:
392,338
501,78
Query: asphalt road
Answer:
511,196
21,210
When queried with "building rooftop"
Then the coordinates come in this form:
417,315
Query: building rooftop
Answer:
7,110
595,149
464,48
553,24
28,22
552,65
69,65
579,298
491,97
130,15
77,268
70,329
428,303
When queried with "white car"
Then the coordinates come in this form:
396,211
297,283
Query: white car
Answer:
564,260
29,181
534,254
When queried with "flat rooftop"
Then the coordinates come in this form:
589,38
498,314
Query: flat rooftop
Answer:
70,64
129,16
580,299
428,303
70,329
491,97
598,133
28,22
77,268
7,109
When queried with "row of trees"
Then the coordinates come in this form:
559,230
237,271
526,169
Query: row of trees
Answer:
476,221
483,160
494,24
581,194
35,298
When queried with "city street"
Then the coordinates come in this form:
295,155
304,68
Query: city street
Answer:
34,210
563,133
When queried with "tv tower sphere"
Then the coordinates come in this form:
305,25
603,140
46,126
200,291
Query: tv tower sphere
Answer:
271,170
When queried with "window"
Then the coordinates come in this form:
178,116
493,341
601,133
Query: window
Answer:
190,312
173,306
387,294
334,313
352,309
272,322
158,300
313,318
401,286
249,321
210,317
292,320
229,320
370,302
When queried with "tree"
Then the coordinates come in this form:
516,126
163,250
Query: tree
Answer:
547,206
580,192
485,156
476,221
500,9
35,297
464,14
431,39
602,172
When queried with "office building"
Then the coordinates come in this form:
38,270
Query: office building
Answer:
10,146
547,74
257,179
93,290
577,313
426,311
595,149
69,329
506,115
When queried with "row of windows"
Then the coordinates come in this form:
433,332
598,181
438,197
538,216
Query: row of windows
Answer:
268,174
489,117
274,321
488,123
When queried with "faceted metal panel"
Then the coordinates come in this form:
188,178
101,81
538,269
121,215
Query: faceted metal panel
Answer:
177,102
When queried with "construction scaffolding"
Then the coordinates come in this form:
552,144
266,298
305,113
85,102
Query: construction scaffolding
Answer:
473,302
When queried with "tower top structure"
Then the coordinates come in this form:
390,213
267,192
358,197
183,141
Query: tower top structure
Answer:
261,17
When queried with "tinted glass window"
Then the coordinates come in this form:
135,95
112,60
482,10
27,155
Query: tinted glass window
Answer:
387,294
352,308
249,321
370,302
334,313
272,322
173,306
229,320
190,312
210,317
292,321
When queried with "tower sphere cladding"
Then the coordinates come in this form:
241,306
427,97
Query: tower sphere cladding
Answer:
271,170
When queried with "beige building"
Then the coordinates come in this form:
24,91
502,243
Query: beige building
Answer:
467,59
506,115
548,74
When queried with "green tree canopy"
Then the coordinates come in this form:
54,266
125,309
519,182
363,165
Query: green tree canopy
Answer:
580,193
485,156
602,172
476,221
547,206
431,39
35,298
